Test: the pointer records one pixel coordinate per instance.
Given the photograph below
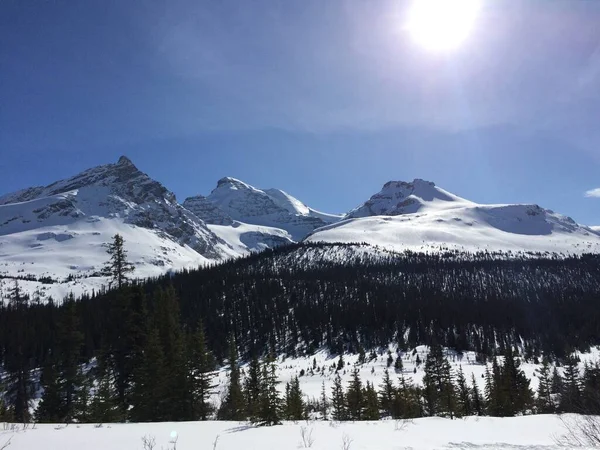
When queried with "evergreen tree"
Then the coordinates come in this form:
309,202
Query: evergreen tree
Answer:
478,403
17,358
440,394
371,408
252,389
201,368
70,339
51,406
338,399
270,405
324,402
398,365
465,406
387,392
295,408
545,404
233,407
390,359
104,406
355,397
149,380
557,383
118,267
570,401
407,404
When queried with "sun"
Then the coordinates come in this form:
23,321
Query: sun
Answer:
442,25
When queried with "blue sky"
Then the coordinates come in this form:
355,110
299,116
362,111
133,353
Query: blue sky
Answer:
326,100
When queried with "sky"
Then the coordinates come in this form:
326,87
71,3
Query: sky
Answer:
326,100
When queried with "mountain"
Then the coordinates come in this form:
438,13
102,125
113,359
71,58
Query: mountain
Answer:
59,232
420,216
269,208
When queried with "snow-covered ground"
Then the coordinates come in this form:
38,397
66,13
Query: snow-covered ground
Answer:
311,380
529,432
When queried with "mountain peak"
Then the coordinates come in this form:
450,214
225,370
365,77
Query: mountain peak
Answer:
402,197
124,161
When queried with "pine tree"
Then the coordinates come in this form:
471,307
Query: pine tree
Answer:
17,361
51,406
118,267
557,383
355,397
440,394
570,401
338,399
371,404
398,365
201,367
104,406
270,404
390,359
149,380
252,389
387,393
478,404
324,402
545,404
465,406
295,408
71,376
233,407
407,403
340,364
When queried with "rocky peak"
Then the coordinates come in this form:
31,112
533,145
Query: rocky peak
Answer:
207,211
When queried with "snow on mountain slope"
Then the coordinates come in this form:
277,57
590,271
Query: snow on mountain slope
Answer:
242,237
595,228
58,231
271,208
419,216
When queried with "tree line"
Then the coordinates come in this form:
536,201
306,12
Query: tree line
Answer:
147,351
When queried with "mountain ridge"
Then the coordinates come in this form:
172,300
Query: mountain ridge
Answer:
59,231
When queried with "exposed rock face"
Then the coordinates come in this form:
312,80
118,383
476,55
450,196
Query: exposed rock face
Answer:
114,191
272,208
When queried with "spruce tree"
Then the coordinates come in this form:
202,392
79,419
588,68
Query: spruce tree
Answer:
201,368
465,406
398,365
252,389
295,407
387,393
233,407
104,406
51,406
338,400
371,404
270,404
440,393
355,397
545,404
324,402
570,401
149,380
17,360
478,403
70,340
118,267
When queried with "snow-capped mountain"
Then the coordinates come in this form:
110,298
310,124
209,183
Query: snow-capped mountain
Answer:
268,208
420,216
59,232
53,238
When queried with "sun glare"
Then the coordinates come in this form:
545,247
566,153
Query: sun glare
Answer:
442,25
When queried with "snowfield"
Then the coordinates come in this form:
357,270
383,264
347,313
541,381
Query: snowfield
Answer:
529,432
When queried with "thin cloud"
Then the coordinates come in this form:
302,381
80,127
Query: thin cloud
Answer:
593,193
